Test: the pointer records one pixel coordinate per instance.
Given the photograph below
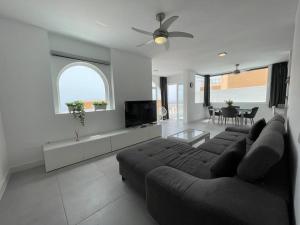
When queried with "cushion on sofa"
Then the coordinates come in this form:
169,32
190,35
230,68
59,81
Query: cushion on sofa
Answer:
256,129
264,153
226,165
244,130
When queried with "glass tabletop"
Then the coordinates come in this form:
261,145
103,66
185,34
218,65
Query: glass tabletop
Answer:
189,134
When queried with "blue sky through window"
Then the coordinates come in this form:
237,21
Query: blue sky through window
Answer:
80,82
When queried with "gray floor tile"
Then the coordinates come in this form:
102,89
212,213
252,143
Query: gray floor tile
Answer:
38,202
83,200
27,177
108,166
78,175
127,210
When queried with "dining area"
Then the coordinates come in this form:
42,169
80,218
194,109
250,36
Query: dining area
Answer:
234,114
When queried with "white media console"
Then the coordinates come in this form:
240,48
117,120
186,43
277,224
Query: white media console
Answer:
67,152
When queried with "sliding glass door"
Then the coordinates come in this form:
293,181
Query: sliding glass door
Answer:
176,101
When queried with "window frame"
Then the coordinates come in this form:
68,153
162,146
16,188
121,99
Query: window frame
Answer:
248,102
56,96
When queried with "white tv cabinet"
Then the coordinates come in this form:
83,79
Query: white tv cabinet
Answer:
67,152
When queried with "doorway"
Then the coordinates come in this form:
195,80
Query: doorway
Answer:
176,101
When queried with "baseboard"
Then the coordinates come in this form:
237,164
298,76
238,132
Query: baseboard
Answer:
26,166
4,184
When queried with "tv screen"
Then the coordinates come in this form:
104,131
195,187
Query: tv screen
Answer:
140,112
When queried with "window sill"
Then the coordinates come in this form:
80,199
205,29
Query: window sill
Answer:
87,111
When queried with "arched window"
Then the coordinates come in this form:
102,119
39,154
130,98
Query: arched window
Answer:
83,82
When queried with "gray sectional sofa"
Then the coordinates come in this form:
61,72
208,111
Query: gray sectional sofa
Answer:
240,177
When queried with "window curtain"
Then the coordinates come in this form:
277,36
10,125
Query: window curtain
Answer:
278,84
164,95
206,101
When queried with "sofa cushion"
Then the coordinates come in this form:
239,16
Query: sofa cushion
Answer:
264,153
230,136
256,129
244,130
227,163
215,146
144,157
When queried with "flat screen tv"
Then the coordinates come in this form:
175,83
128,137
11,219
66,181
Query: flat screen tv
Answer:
140,112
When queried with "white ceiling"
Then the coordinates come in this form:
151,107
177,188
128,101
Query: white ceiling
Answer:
253,32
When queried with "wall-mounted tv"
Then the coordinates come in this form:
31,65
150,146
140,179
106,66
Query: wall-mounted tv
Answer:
140,112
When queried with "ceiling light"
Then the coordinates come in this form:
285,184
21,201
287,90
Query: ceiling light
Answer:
160,40
222,54
101,24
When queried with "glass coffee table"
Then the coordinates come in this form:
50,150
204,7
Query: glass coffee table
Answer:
190,136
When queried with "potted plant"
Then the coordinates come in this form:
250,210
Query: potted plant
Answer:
229,103
70,106
99,105
76,108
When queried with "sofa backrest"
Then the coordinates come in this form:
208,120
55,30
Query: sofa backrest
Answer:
274,126
265,152
277,117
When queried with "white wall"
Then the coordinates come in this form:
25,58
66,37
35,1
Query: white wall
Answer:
26,91
3,159
193,111
294,112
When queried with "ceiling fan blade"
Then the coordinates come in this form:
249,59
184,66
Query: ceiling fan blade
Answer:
180,34
168,22
146,43
142,31
167,45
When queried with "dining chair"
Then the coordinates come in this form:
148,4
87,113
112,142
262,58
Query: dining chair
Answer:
230,112
251,115
217,113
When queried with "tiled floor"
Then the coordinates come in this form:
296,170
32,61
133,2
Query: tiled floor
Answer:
89,193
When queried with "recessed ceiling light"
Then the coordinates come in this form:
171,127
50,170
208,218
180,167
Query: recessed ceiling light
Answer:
222,54
101,24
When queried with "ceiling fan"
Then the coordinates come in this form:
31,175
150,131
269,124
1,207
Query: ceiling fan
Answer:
238,71
161,35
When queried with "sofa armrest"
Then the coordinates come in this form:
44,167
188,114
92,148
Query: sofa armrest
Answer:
177,198
244,130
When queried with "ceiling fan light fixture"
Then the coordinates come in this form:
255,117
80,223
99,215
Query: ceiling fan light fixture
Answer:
222,54
160,40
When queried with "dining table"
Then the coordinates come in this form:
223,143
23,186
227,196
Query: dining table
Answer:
241,111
